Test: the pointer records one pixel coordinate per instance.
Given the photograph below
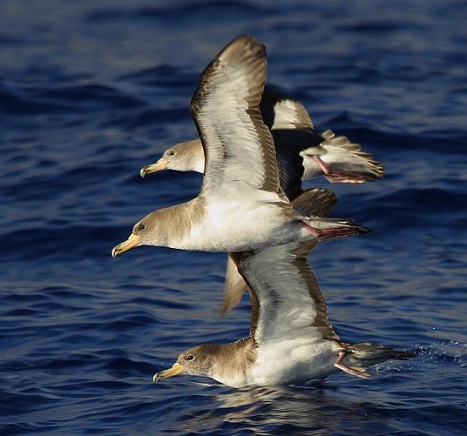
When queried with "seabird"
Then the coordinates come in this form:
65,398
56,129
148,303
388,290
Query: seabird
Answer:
324,153
241,205
300,151
290,339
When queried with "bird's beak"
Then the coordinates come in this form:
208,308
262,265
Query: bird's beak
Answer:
176,369
131,242
160,165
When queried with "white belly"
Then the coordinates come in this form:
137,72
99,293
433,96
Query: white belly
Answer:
293,361
237,226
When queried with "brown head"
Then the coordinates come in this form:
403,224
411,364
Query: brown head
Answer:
225,363
199,360
185,156
148,231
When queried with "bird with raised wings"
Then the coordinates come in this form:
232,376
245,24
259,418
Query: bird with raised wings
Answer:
241,205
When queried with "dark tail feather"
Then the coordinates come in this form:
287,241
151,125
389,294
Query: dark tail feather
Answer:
367,354
326,229
349,229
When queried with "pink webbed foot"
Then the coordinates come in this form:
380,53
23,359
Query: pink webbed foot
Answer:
357,372
337,177
338,228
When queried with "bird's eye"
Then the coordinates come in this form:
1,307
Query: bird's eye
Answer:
171,153
141,226
189,357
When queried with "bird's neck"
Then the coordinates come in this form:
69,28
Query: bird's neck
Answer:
176,222
233,361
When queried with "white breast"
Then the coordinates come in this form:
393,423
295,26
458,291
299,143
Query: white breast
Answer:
292,361
239,226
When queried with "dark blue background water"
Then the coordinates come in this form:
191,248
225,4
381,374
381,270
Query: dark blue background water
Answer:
92,91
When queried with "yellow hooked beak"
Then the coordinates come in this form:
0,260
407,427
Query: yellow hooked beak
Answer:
160,165
176,369
131,242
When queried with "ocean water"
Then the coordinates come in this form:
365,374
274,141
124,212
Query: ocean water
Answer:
92,91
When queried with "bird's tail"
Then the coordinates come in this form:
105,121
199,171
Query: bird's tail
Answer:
365,354
345,162
311,208
326,229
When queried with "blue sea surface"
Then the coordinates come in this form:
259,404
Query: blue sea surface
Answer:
92,91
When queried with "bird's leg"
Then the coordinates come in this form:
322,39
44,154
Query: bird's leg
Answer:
357,372
337,177
337,229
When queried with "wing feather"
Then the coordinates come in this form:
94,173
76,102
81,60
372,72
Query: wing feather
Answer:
286,299
238,146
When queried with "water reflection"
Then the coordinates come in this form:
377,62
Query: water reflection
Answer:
315,409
